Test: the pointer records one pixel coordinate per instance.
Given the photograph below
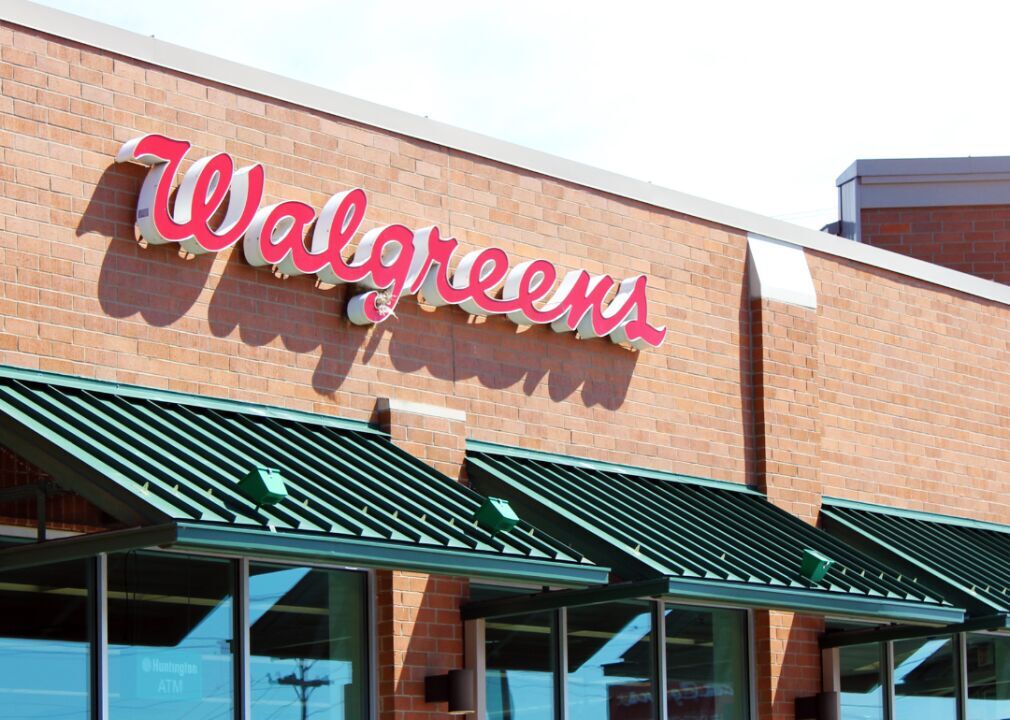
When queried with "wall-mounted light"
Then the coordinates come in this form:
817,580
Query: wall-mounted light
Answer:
496,515
264,486
455,688
815,565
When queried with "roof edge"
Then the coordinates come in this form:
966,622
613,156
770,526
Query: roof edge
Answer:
385,554
182,398
926,167
813,601
208,67
588,463
914,514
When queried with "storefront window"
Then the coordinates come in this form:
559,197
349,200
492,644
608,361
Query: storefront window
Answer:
43,643
308,638
170,637
862,681
610,662
706,664
988,661
924,679
520,663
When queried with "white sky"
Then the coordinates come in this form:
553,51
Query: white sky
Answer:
760,105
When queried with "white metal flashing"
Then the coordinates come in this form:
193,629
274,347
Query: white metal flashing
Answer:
415,408
201,65
779,271
964,167
926,182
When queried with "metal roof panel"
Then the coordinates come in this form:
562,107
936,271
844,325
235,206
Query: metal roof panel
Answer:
179,459
728,538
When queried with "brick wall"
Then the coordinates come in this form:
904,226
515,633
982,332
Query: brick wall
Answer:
972,239
786,354
419,634
80,296
787,427
788,661
914,392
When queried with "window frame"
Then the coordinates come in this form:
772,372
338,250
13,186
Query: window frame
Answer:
829,661
475,660
98,618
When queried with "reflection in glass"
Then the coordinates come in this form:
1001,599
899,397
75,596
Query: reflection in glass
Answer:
862,678
988,659
924,679
43,643
706,663
170,636
520,667
609,662
308,643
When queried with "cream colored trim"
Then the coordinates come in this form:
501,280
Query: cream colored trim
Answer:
474,659
416,408
831,679
201,65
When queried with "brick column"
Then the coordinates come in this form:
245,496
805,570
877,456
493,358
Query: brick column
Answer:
788,432
420,632
784,357
434,434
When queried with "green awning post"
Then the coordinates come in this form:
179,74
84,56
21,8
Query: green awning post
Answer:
496,515
264,486
815,565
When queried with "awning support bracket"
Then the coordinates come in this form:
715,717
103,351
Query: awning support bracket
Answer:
41,491
554,599
842,638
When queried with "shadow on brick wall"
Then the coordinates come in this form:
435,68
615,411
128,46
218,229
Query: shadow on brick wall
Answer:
788,661
420,633
446,343
151,281
749,357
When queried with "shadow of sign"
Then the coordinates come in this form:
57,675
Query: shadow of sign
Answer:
164,288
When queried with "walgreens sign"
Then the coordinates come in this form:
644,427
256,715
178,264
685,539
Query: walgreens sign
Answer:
387,263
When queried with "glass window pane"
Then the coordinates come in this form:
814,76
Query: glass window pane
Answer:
610,662
924,679
519,660
706,664
988,659
43,642
308,637
862,677
170,637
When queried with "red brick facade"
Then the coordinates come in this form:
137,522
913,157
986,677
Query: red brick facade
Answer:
891,391
972,239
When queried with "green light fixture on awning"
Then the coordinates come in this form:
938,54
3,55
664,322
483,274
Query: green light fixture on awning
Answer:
496,515
815,565
264,486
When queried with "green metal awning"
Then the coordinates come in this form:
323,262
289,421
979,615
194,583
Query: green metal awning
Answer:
964,561
167,465
707,540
